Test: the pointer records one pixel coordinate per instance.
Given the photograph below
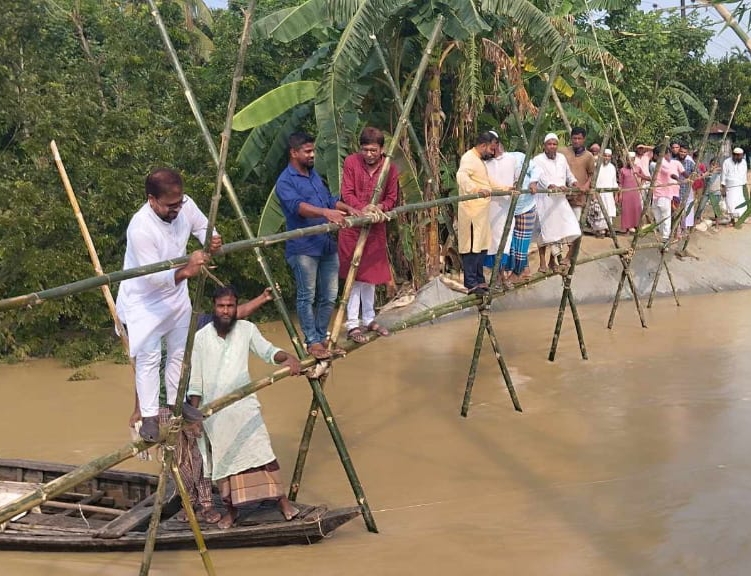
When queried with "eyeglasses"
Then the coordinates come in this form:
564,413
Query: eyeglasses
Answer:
371,151
174,206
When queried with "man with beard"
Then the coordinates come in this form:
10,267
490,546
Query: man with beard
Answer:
360,174
157,306
236,447
473,215
306,201
558,222
733,182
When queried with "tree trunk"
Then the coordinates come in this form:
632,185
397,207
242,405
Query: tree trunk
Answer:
429,234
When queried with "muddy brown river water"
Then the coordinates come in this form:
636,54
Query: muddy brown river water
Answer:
635,462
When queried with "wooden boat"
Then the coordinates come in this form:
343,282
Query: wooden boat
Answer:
112,511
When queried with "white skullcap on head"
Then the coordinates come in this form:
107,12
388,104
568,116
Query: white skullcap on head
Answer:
738,151
632,154
608,152
493,132
550,136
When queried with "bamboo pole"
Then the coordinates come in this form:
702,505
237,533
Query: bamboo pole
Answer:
475,358
186,361
674,226
502,365
317,403
90,247
69,481
193,520
515,109
399,103
156,516
635,240
378,190
561,111
567,296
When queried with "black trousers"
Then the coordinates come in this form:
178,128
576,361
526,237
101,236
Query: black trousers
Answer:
472,264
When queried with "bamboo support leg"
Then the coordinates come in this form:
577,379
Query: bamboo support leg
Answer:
156,516
672,285
617,299
475,358
302,451
502,365
577,325
193,520
658,272
341,448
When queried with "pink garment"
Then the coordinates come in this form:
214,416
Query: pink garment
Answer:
665,185
357,190
630,199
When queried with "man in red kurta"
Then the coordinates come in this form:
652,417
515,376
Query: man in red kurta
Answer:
359,177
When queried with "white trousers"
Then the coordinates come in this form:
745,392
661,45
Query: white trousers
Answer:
147,369
662,210
363,294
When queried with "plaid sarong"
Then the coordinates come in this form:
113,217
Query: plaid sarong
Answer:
524,225
260,483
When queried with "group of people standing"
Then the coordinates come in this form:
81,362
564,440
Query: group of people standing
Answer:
232,448
554,218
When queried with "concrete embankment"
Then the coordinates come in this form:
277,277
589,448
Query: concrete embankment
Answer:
722,263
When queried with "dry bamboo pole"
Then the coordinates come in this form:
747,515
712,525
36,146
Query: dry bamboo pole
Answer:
515,109
186,361
69,481
567,296
726,15
378,190
406,107
635,240
561,111
90,247
502,365
674,226
193,520
263,263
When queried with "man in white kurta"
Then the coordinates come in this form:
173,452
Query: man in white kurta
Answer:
732,180
558,223
473,215
236,445
607,184
157,306
502,170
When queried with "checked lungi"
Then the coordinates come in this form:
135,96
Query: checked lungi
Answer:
524,225
252,485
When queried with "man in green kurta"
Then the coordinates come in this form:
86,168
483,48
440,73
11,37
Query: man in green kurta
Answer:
236,447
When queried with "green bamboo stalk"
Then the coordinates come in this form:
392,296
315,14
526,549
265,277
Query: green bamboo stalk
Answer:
198,297
156,516
192,520
399,103
377,191
515,109
475,358
533,140
354,265
502,365
635,239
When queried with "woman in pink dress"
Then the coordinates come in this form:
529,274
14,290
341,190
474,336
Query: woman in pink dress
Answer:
629,196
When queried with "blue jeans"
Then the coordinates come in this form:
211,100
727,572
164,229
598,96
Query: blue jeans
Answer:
317,279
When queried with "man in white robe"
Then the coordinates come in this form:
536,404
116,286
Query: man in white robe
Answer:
558,223
732,182
157,306
236,446
607,185
502,170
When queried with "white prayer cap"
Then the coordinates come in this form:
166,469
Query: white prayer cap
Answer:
550,136
494,133
608,152
632,154
738,151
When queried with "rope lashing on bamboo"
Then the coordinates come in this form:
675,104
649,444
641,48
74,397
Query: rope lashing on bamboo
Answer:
376,214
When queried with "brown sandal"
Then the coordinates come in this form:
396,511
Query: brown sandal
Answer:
357,335
378,329
319,351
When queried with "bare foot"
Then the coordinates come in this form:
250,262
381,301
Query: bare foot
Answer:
210,515
288,510
228,519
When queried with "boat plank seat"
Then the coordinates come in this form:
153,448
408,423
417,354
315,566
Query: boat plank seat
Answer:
60,522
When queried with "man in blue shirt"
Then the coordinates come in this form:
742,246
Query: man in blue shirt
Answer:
306,201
